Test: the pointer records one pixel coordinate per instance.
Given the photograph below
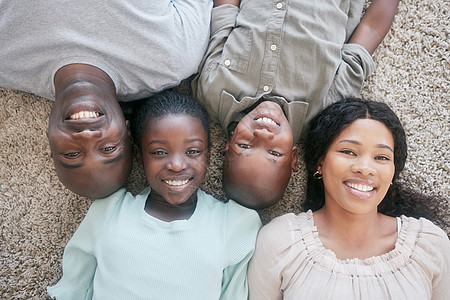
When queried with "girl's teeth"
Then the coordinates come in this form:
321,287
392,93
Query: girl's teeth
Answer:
84,115
176,182
360,187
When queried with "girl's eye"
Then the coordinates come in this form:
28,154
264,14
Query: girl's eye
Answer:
159,152
71,154
193,151
275,153
243,146
109,149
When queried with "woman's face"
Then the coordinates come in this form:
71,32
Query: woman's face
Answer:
358,167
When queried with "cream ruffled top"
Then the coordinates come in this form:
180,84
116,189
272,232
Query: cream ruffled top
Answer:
290,262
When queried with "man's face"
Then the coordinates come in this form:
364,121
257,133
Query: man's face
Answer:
89,141
260,155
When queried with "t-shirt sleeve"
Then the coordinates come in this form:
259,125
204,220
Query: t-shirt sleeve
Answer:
242,228
79,261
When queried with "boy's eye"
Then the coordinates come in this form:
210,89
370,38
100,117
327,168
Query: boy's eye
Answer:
243,146
109,149
71,154
275,153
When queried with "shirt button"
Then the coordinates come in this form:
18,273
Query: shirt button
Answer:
227,62
279,5
265,88
273,47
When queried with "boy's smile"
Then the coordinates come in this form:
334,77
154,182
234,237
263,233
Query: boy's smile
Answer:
174,156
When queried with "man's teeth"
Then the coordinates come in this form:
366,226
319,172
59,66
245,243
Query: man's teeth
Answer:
176,182
84,115
360,187
267,120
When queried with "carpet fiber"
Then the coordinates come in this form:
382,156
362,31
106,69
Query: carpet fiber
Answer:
38,215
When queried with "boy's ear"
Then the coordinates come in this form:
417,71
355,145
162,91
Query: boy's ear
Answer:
294,159
227,145
138,155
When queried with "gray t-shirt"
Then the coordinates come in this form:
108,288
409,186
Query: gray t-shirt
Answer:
144,46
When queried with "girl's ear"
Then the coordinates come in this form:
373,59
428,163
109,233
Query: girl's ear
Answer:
138,155
294,159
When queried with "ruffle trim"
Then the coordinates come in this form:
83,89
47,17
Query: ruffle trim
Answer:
389,262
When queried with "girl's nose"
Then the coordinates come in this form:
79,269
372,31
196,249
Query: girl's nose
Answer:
177,163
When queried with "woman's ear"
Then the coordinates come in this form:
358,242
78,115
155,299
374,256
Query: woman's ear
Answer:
294,159
128,130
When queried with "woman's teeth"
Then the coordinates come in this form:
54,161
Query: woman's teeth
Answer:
360,187
84,115
176,182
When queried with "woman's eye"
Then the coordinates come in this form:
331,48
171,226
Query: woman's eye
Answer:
382,157
348,152
275,153
71,154
243,146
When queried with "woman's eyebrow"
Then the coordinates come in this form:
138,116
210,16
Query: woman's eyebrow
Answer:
383,146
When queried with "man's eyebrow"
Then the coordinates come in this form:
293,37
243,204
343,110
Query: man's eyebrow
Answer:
81,164
383,146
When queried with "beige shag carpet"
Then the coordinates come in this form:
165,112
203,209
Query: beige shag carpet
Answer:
38,215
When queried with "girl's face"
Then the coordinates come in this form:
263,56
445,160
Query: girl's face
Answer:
358,167
175,156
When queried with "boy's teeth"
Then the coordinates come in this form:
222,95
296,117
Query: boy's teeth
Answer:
176,182
360,187
267,120
84,115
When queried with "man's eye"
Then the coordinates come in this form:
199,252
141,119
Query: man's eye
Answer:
71,154
243,146
275,153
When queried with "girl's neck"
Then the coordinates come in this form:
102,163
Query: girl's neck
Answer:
159,208
355,236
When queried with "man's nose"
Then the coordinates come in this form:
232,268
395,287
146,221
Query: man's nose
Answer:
87,134
263,133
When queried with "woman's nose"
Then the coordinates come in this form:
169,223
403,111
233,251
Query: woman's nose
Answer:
364,166
263,133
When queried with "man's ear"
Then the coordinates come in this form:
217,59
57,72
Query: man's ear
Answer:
294,159
138,155
127,123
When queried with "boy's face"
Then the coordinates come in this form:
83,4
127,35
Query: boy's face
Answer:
260,156
90,144
174,155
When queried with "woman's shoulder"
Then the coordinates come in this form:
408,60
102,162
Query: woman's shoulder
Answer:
424,232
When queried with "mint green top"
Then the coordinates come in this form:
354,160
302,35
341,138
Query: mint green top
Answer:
121,252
